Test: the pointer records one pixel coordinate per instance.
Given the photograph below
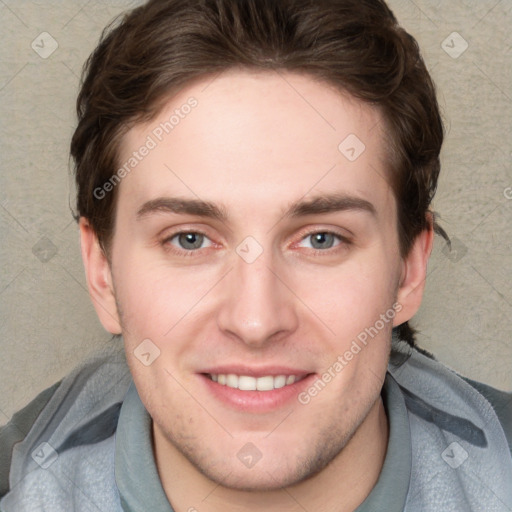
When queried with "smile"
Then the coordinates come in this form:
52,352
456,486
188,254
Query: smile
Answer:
249,383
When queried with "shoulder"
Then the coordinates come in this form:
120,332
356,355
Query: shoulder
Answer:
17,429
81,409
82,478
433,389
501,402
455,423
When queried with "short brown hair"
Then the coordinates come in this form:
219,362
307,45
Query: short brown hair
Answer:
355,45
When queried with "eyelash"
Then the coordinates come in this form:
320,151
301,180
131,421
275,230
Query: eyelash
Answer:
166,242
344,242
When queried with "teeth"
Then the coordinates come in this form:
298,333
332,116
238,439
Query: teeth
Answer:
232,380
280,381
248,383
245,383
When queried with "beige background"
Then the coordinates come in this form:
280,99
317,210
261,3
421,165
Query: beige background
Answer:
48,324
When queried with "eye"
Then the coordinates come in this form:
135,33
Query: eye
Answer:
189,241
321,240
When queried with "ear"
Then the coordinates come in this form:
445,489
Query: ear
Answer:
414,273
99,278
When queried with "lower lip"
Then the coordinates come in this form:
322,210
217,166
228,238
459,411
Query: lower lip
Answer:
257,401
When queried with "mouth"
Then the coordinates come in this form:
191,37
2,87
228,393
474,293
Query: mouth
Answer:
256,391
250,383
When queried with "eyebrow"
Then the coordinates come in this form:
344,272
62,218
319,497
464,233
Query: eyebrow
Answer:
329,204
196,207
315,206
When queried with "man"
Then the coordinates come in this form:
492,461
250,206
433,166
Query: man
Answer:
254,181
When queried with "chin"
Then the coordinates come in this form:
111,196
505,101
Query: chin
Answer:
257,480
271,475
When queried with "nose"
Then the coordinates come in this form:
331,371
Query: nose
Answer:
258,308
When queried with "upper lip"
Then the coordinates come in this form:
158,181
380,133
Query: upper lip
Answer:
273,371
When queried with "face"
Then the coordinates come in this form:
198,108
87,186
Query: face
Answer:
255,248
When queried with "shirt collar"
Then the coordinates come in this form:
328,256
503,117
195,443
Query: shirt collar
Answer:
390,491
137,477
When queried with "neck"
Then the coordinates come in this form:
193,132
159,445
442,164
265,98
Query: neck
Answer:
342,486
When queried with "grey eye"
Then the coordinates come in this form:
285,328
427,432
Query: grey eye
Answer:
190,241
322,240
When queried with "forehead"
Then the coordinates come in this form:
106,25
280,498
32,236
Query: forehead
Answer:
263,138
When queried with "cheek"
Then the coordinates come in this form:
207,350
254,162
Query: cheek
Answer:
348,298
153,296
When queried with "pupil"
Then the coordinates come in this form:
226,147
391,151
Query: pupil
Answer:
322,240
191,240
